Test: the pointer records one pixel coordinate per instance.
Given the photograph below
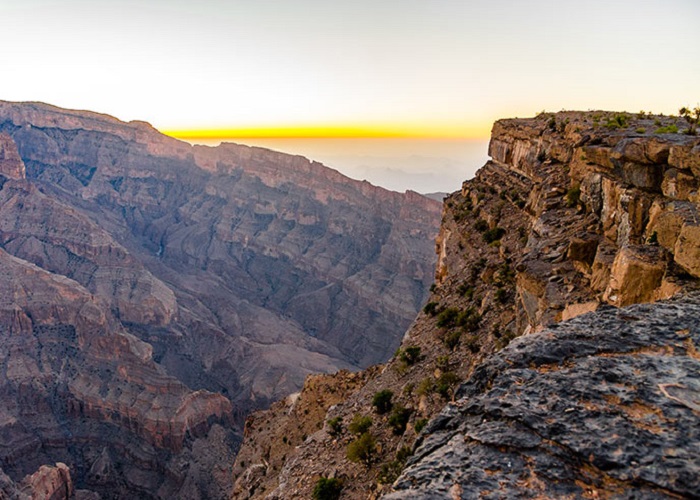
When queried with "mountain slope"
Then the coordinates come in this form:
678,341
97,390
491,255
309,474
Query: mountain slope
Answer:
575,212
233,272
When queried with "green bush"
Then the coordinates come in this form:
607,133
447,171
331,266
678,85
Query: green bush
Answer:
389,472
382,401
399,419
669,129
360,424
410,355
335,425
451,340
420,424
692,117
501,295
445,383
431,308
494,234
481,225
327,488
573,196
363,449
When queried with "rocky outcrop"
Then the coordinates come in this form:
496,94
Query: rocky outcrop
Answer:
11,165
71,375
153,293
47,483
575,212
604,405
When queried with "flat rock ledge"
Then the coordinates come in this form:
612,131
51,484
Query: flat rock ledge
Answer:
606,405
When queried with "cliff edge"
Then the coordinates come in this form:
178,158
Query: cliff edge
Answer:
575,215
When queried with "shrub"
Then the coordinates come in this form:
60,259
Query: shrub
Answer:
447,318
398,419
420,424
410,355
505,339
382,401
335,425
669,129
445,383
481,225
692,117
466,290
362,449
473,343
494,234
327,488
425,387
452,339
640,130
389,472
501,295
431,308
618,121
360,424
573,196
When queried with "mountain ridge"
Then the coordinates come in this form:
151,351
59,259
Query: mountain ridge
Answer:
232,283
576,212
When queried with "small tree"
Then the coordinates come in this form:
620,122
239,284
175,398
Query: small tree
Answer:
399,418
382,401
362,449
360,424
327,488
335,426
692,117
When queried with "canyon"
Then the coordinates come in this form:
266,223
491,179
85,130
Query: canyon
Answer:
557,356
154,293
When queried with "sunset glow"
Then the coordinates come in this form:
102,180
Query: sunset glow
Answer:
310,69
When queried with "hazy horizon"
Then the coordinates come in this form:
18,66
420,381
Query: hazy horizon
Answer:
398,164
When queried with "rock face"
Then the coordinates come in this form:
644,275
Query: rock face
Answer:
575,212
605,404
153,293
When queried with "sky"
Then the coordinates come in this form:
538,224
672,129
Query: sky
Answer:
425,78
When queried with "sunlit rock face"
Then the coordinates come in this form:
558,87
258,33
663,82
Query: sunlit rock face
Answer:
576,213
156,292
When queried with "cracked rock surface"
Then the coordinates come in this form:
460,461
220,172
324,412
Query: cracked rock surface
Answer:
604,405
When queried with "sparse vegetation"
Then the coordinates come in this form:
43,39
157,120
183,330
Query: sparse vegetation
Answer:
573,196
493,234
382,401
399,419
410,355
335,426
420,424
692,117
327,488
360,424
617,121
445,383
668,129
431,308
363,449
481,225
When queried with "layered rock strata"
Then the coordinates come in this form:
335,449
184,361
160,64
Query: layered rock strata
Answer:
574,212
155,292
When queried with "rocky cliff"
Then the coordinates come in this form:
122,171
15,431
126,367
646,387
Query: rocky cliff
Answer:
153,293
575,212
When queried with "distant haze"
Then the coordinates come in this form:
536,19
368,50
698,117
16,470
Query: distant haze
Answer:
364,68
422,165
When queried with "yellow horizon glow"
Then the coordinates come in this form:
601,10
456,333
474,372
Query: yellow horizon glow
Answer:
330,132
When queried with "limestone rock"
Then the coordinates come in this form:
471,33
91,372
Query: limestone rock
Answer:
600,405
11,165
635,275
687,249
570,213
